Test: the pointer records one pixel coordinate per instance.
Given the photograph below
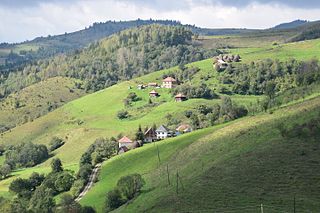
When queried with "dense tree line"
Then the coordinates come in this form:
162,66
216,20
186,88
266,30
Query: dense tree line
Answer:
204,116
25,155
36,193
270,76
122,56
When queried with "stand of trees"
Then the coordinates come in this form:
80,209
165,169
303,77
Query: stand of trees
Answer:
36,193
127,188
270,77
25,155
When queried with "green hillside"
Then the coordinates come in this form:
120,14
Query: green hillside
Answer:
37,100
82,121
232,167
301,51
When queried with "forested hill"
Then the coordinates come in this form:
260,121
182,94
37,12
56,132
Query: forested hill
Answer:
127,54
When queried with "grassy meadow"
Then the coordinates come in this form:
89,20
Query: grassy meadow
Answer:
246,160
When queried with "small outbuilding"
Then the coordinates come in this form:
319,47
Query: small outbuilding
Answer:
180,97
153,93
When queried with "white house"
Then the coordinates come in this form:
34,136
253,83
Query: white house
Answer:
163,132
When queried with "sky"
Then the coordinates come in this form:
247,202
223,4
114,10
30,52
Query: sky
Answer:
26,19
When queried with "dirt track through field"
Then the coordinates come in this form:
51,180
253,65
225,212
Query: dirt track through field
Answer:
90,183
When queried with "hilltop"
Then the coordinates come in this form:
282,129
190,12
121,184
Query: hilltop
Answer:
293,24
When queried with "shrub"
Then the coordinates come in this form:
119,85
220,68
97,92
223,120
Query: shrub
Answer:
122,114
56,165
130,185
55,143
63,182
77,187
114,199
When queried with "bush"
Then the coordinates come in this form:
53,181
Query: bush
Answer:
122,114
55,143
127,187
84,172
114,199
130,185
63,182
77,187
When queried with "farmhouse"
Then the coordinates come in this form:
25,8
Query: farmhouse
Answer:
163,132
150,135
169,83
222,64
153,93
125,142
180,97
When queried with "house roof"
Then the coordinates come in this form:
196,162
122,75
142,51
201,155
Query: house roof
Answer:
152,84
149,130
153,92
180,95
169,79
162,128
125,139
183,127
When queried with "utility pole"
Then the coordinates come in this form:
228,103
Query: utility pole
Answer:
261,207
158,154
294,204
177,188
168,175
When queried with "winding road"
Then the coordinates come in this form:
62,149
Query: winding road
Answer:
90,182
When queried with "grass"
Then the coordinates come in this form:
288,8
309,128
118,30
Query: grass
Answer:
301,51
230,167
34,101
81,121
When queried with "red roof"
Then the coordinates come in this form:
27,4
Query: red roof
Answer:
125,139
153,92
169,79
180,95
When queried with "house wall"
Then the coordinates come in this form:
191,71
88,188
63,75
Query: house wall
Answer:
128,145
162,135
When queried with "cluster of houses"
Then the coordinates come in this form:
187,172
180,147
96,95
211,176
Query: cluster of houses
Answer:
152,135
167,83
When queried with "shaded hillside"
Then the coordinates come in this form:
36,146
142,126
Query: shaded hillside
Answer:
233,167
37,100
308,32
122,56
